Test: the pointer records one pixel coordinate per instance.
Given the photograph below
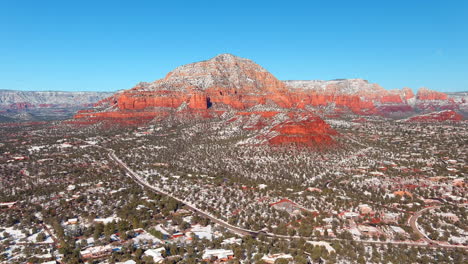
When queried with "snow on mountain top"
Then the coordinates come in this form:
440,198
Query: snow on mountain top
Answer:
227,57
342,86
224,70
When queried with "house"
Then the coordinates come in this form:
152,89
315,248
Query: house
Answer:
349,215
398,230
178,234
390,217
322,230
272,258
96,252
368,230
219,254
90,241
114,237
106,220
231,241
451,216
202,231
156,254
72,221
144,238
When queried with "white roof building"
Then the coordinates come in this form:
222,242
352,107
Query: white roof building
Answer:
202,231
146,237
218,253
350,214
231,241
72,221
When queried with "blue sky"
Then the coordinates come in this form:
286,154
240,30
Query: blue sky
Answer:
112,45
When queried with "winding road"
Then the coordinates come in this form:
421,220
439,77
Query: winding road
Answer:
143,183
242,231
413,222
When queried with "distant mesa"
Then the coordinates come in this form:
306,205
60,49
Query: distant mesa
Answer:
426,94
20,100
44,105
447,115
229,84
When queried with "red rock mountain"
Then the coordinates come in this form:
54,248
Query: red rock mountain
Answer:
227,83
225,79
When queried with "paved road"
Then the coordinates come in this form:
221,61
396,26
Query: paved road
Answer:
242,231
413,221
143,183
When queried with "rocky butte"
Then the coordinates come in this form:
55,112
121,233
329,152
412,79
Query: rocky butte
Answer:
227,85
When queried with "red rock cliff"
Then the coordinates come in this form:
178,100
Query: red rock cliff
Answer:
426,94
230,83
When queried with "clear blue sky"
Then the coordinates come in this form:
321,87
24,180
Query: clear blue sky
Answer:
112,45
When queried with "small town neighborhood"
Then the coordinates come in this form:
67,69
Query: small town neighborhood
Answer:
144,198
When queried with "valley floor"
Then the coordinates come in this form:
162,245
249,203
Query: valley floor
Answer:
386,192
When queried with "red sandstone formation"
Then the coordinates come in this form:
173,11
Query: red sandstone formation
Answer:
426,94
391,98
228,83
407,93
199,101
240,84
223,81
448,115
355,95
262,113
303,129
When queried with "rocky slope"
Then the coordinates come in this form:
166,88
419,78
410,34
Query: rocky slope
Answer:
362,97
227,85
223,86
